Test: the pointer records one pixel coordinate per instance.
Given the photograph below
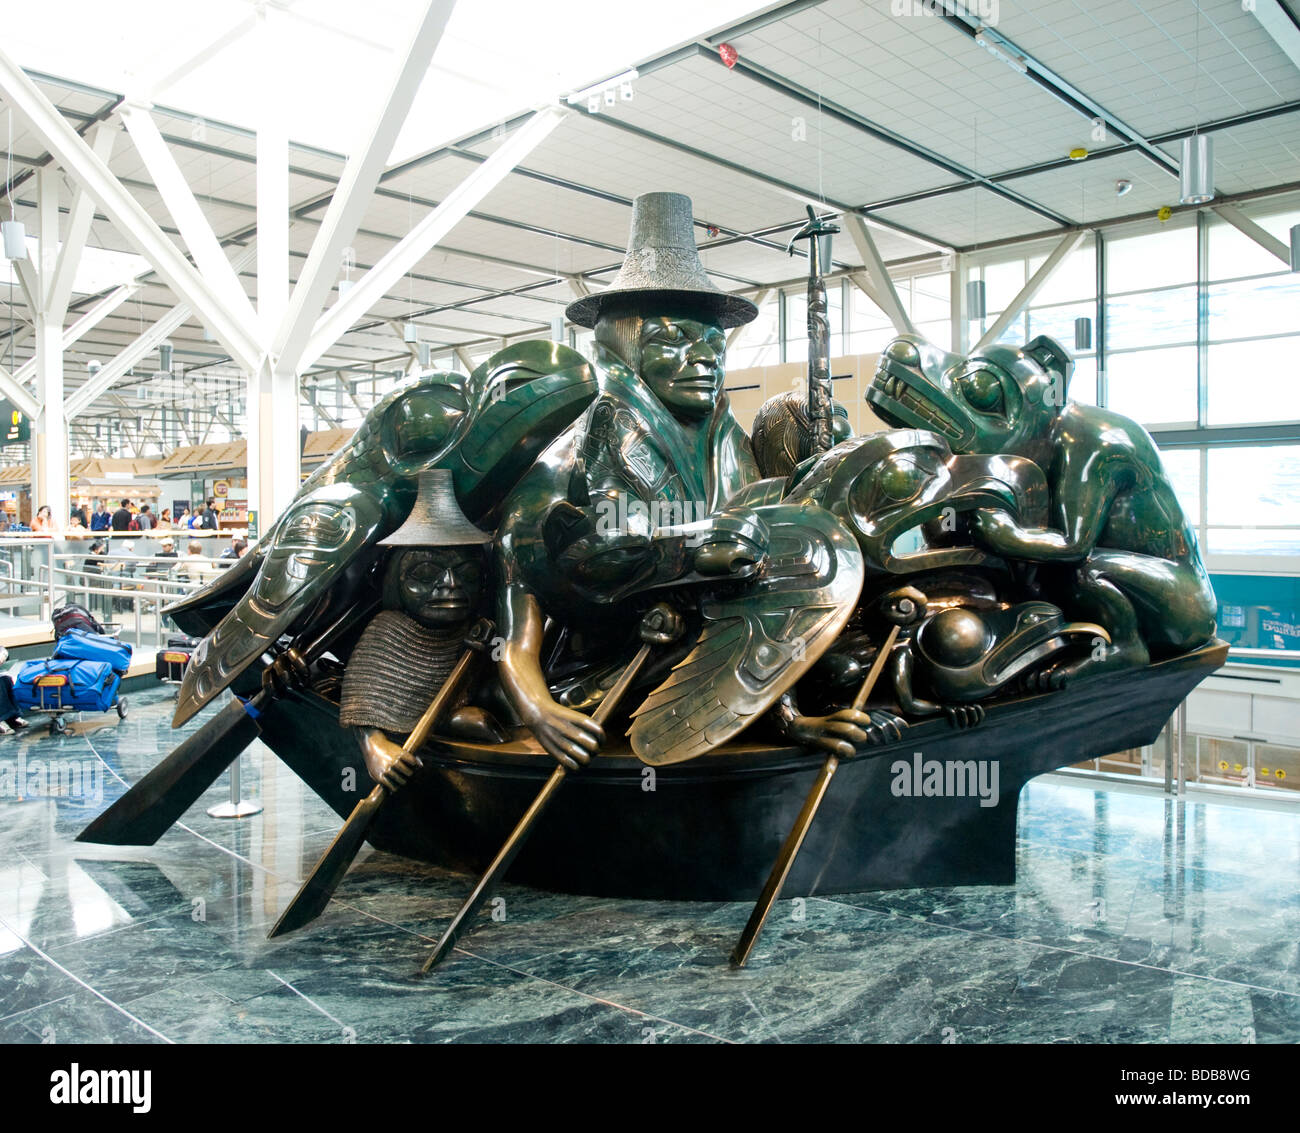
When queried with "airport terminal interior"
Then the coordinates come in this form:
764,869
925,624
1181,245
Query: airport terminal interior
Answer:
947,353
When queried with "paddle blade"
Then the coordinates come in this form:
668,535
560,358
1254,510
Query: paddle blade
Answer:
142,815
310,901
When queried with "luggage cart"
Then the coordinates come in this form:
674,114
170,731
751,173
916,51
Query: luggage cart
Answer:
53,691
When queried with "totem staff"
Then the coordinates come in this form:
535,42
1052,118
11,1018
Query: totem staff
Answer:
818,233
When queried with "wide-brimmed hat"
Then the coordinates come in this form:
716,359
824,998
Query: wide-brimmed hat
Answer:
436,519
662,266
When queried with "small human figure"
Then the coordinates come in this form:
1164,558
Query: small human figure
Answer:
121,520
432,593
101,520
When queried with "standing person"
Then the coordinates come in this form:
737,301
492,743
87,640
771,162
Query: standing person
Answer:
121,520
80,516
210,515
44,521
165,518
145,519
101,520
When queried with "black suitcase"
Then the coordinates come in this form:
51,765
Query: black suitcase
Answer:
169,663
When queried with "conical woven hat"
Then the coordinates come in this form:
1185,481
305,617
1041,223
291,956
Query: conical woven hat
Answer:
663,266
436,519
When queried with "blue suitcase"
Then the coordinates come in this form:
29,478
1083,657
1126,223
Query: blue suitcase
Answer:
82,645
84,686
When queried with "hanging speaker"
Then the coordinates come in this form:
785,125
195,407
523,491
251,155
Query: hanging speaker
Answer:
1295,248
1083,333
410,333
557,330
975,299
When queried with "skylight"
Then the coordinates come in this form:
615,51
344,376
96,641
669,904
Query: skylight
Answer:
99,268
496,58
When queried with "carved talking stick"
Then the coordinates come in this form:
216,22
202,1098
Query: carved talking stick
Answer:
661,625
818,233
904,607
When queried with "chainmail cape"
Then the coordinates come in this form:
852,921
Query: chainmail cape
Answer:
395,671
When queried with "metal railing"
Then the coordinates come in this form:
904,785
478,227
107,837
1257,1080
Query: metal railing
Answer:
128,591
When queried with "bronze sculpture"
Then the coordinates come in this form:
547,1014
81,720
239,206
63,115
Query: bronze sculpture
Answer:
953,576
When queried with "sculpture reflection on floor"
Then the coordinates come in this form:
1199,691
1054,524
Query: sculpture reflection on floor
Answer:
1034,544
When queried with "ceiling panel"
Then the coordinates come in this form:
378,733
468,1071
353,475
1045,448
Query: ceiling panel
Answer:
970,216
1085,190
921,78
1139,58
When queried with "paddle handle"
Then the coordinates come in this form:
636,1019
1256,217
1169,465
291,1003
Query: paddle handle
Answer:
519,835
877,668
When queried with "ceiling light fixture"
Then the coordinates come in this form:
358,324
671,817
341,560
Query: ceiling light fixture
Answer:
1295,247
1083,333
15,239
608,91
1001,49
1122,186
1196,173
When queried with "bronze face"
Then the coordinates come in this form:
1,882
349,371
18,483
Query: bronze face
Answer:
684,362
439,586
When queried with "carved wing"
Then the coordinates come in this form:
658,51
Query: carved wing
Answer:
316,539
758,642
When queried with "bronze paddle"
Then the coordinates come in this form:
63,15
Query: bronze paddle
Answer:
660,625
310,901
907,605
146,812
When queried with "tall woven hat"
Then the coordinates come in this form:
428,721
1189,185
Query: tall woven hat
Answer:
663,266
436,519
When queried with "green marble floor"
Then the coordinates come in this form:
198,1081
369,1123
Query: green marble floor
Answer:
1131,921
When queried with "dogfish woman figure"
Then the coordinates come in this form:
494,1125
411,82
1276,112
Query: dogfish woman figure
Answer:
433,588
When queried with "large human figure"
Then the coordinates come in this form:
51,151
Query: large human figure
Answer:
634,494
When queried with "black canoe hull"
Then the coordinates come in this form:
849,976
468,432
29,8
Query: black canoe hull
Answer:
710,829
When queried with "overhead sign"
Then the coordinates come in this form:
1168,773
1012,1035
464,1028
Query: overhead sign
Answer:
17,426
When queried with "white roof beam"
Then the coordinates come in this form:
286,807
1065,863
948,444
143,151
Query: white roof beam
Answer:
179,199
1274,20
881,290
352,195
81,213
415,245
76,157
21,397
1247,227
1030,289
153,85
144,344
30,282
91,319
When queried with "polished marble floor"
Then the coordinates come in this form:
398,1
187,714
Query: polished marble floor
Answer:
1133,920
